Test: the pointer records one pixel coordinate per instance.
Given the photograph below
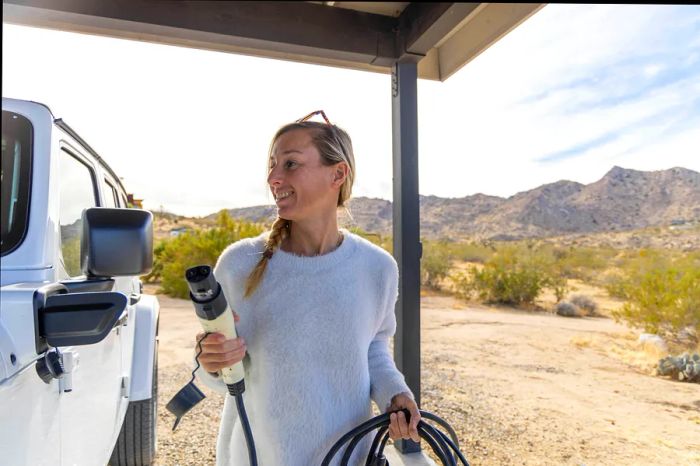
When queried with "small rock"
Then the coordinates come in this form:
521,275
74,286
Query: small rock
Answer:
654,340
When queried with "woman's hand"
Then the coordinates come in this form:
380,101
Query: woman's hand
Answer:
218,352
398,427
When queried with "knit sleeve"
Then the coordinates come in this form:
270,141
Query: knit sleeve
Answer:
385,379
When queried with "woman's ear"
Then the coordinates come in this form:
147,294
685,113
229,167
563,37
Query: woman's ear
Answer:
340,173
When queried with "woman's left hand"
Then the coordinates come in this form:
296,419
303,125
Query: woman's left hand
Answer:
398,427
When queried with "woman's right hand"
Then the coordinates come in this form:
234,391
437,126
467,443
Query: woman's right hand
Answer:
218,352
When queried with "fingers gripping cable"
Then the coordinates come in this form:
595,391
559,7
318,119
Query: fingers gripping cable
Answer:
445,447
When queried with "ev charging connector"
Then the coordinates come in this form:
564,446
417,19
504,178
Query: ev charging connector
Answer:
215,316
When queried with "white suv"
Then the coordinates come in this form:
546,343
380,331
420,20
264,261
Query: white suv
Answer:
78,338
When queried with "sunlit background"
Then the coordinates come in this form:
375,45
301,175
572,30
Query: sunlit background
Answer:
572,92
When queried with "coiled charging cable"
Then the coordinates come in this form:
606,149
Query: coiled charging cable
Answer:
446,448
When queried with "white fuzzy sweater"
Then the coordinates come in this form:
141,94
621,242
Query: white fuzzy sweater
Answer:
317,332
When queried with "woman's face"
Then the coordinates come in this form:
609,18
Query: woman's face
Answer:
302,186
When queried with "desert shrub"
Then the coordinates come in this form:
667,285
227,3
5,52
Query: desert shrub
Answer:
384,242
664,299
155,274
435,263
471,251
559,285
514,274
583,263
462,284
616,285
198,247
585,303
567,309
511,276
632,266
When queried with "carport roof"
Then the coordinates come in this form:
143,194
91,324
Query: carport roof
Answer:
372,36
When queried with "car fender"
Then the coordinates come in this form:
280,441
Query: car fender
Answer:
147,311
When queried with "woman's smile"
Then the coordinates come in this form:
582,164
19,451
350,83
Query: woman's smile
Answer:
284,197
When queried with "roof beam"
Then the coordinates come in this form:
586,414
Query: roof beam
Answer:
275,29
440,37
423,25
479,30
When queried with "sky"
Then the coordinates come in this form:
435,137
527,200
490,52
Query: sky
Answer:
570,93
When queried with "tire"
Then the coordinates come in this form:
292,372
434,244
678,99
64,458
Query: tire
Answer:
136,445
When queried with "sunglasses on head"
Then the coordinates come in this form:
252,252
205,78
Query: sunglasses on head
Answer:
317,112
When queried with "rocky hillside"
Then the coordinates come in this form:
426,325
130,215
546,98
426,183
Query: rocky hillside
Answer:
622,200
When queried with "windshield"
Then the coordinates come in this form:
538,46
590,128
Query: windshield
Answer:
14,179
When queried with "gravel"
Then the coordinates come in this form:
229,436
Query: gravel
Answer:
484,433
194,441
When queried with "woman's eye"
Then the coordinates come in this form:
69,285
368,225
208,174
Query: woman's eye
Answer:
290,163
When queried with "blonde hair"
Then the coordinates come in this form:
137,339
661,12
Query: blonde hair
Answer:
335,146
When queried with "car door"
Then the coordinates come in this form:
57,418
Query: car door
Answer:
30,420
30,426
90,413
129,286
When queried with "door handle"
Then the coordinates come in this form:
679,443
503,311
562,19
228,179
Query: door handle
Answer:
123,319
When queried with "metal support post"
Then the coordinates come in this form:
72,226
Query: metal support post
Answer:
406,228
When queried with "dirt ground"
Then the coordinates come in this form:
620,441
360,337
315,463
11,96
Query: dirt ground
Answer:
518,387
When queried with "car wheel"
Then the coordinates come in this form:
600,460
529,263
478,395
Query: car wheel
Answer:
136,445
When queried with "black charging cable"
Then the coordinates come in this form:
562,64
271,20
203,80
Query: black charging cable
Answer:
236,390
190,395
445,447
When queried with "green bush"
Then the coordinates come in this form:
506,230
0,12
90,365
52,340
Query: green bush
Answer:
155,274
616,286
665,299
583,263
384,242
471,251
463,284
435,263
172,257
632,266
559,285
512,276
517,285
516,273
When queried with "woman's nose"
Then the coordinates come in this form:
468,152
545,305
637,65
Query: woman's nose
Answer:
274,177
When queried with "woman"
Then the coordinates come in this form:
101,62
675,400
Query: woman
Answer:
314,312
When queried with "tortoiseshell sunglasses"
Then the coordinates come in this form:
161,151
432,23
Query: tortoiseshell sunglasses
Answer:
321,112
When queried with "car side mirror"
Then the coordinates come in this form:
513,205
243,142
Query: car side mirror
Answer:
116,242
79,318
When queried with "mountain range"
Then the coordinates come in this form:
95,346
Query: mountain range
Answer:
623,199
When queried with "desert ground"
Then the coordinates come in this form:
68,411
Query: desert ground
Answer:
519,387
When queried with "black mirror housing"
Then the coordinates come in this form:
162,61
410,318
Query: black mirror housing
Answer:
116,242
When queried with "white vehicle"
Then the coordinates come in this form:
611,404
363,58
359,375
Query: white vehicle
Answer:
78,349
